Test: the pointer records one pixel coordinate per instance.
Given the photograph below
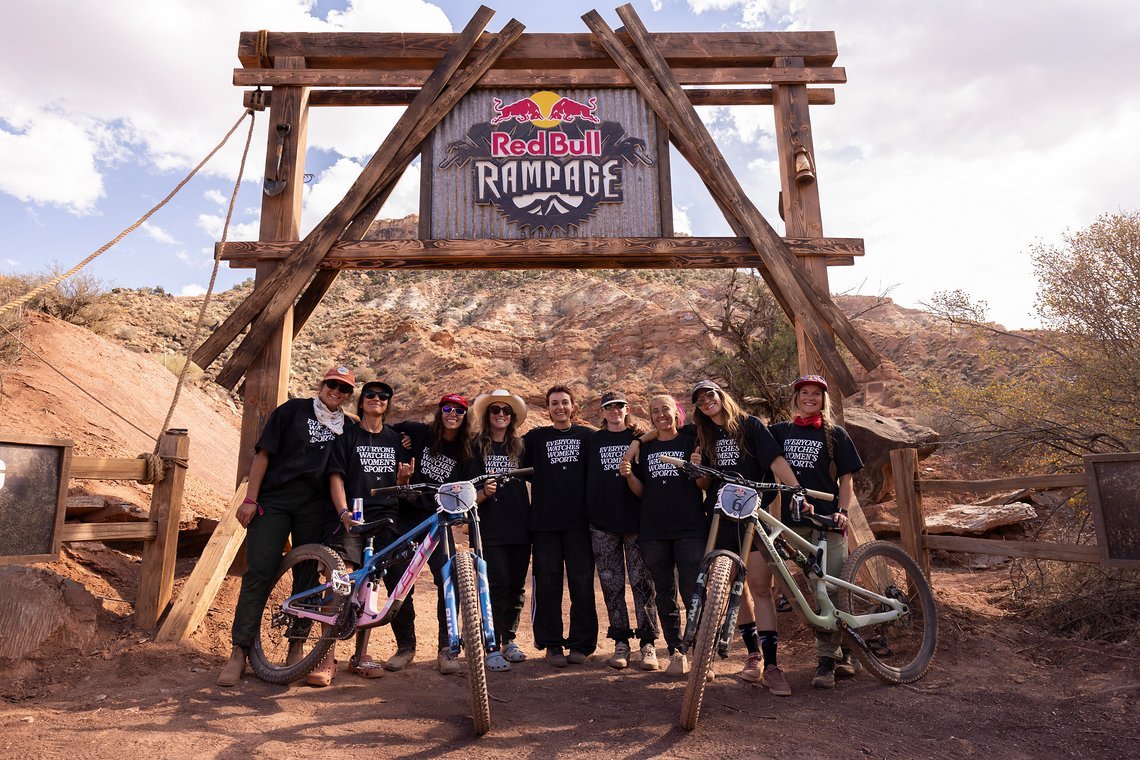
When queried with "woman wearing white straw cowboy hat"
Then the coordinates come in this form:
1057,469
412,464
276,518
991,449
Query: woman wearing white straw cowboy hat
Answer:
503,519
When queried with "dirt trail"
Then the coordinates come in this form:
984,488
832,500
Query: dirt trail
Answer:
997,689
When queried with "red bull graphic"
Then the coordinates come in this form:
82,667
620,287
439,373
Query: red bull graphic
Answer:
547,160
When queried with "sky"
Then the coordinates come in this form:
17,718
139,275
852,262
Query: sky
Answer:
967,132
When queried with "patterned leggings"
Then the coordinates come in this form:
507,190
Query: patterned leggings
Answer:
614,553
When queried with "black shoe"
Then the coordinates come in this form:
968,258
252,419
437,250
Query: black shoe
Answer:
824,674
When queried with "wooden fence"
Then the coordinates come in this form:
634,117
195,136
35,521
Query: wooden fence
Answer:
159,533
912,525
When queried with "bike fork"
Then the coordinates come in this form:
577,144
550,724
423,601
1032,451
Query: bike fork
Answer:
695,606
450,607
485,603
730,617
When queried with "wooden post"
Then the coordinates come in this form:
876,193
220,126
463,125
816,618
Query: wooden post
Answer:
266,383
912,524
202,586
159,554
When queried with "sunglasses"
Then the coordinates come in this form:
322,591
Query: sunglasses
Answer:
382,395
614,405
457,410
506,411
334,385
707,396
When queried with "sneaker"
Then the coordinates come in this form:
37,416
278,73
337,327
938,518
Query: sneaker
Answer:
648,657
753,668
233,669
497,663
555,658
678,665
513,654
824,674
620,658
448,665
400,660
576,658
775,681
848,667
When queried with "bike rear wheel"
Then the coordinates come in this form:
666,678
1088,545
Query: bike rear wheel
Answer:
467,597
899,651
704,646
306,567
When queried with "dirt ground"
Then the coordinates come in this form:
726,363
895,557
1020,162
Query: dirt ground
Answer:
998,688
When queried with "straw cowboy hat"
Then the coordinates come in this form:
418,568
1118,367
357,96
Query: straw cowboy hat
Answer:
483,400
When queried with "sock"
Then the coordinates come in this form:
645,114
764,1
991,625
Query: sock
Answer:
750,637
768,646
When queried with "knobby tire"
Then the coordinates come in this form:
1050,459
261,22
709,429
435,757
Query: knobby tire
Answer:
467,596
900,651
268,655
704,646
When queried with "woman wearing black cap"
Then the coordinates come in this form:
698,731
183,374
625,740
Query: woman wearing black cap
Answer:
441,453
615,514
823,458
287,493
503,519
369,455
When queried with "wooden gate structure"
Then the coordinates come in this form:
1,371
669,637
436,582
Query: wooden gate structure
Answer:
441,77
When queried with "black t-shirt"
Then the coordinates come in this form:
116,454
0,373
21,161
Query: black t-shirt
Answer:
504,518
671,502
366,461
558,498
806,452
299,447
442,466
612,506
753,462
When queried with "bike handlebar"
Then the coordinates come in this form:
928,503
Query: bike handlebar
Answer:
418,488
729,477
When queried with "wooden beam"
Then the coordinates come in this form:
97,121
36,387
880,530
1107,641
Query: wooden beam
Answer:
386,164
202,586
107,468
544,253
1028,549
535,78
1039,482
125,531
424,50
156,580
670,104
740,96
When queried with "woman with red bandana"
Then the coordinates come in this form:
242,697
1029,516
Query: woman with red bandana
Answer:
823,458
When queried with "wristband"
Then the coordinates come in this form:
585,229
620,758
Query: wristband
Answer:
342,513
842,511
250,501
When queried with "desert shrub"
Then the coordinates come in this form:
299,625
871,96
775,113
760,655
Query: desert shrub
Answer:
80,299
175,363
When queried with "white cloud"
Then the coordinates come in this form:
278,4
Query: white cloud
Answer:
192,290
154,232
212,225
216,196
681,223
46,157
330,186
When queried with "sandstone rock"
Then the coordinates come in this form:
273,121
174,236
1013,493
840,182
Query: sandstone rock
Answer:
875,436
44,615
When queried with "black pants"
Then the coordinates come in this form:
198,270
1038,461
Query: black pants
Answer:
555,551
404,623
264,543
674,565
506,577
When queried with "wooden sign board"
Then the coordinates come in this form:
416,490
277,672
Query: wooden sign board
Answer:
33,497
1114,499
512,164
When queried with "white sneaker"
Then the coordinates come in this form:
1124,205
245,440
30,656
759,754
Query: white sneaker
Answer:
620,658
648,657
678,665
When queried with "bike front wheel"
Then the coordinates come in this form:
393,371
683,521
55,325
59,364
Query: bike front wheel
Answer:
704,645
899,651
288,647
467,597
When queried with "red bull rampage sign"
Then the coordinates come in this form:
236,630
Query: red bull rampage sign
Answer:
546,161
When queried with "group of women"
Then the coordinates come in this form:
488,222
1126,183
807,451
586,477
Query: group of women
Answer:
601,500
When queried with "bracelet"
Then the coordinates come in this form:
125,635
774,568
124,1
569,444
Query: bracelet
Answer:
250,501
842,511
342,513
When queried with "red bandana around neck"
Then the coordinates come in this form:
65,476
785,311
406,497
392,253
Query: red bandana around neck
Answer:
814,420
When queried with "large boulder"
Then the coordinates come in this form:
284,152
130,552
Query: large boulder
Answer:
875,437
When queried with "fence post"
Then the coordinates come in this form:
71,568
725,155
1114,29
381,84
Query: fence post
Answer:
156,583
912,525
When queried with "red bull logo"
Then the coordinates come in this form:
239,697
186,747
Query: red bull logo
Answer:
546,160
